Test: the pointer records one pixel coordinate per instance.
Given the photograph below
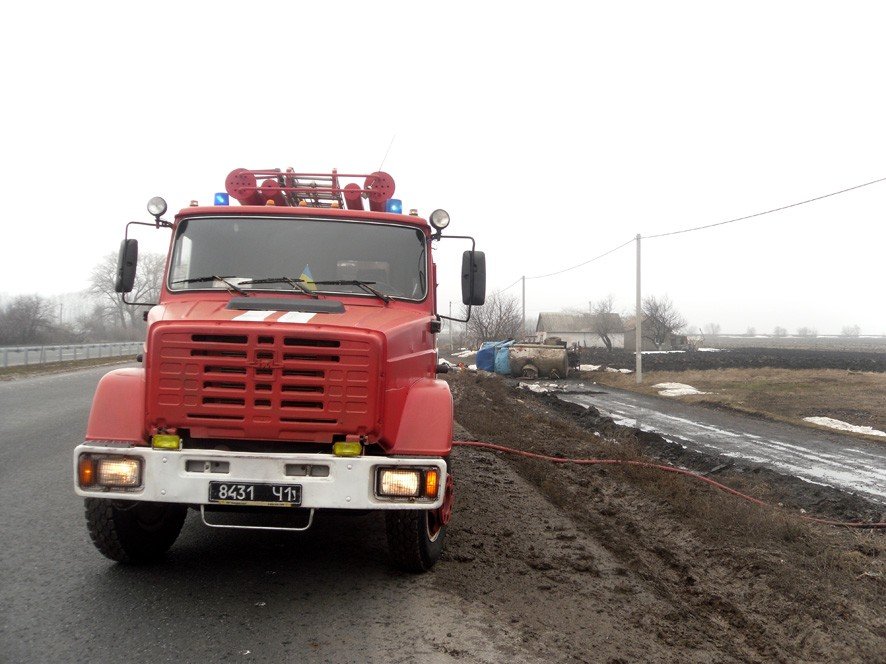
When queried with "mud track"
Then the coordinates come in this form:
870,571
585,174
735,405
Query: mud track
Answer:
609,565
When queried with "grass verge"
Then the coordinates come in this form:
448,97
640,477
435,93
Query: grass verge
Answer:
11,373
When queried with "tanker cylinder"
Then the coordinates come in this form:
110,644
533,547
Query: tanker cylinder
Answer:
241,184
353,196
380,186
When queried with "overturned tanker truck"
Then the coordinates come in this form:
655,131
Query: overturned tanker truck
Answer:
289,367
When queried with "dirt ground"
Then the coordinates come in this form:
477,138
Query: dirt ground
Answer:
601,564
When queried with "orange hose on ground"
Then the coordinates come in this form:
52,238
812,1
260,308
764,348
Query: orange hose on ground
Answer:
656,466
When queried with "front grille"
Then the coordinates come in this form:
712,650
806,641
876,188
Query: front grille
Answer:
266,385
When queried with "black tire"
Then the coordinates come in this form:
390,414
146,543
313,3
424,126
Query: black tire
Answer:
133,531
411,546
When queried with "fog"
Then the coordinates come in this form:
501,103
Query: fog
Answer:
550,134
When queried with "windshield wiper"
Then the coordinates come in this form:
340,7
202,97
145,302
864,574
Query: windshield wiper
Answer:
231,287
295,283
365,285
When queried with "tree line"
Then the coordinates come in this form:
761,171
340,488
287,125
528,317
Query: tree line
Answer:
32,319
501,318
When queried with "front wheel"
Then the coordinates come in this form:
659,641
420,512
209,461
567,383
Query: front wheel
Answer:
133,531
415,537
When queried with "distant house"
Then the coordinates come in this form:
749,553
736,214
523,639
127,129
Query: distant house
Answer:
674,342
578,329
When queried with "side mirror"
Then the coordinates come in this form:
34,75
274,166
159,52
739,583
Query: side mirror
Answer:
473,278
126,262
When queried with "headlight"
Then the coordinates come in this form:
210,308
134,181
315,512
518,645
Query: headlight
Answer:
399,483
109,472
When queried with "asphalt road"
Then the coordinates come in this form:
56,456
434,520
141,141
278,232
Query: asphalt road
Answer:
327,595
832,459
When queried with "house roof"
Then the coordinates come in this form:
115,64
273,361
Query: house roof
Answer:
574,323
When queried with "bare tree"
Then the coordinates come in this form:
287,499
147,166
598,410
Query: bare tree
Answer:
26,319
148,279
660,320
779,331
807,332
751,332
604,320
500,318
851,331
102,279
712,330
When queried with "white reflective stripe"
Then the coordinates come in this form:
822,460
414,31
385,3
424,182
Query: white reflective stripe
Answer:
254,315
295,317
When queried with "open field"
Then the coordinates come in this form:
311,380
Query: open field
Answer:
782,394
740,358
876,344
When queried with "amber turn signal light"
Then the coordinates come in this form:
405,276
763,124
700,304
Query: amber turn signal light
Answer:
432,483
85,471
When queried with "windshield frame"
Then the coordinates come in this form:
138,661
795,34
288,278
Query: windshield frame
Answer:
184,288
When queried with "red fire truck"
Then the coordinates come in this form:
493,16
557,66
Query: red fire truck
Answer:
290,367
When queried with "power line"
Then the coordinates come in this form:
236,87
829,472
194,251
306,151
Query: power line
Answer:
698,228
551,274
502,290
760,214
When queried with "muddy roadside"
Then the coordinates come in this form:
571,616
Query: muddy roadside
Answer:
633,565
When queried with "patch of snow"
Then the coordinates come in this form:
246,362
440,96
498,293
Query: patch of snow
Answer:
675,389
542,388
710,350
659,352
844,426
472,367
465,353
598,367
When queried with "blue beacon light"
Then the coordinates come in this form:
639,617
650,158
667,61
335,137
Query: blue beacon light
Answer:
222,199
394,206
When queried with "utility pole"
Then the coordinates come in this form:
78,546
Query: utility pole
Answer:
451,346
639,315
523,328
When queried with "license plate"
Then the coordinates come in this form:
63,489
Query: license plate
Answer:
253,493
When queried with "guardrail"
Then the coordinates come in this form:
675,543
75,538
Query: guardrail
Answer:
17,356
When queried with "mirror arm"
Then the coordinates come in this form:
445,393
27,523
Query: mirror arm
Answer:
158,223
457,320
138,304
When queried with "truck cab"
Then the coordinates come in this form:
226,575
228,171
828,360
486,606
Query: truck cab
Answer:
289,367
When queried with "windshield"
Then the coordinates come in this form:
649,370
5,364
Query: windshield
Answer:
230,253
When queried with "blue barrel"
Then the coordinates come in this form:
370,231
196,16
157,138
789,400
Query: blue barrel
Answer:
486,356
503,358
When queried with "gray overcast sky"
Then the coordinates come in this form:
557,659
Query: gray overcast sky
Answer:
550,131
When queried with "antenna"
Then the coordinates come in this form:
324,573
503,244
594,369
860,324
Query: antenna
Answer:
387,152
